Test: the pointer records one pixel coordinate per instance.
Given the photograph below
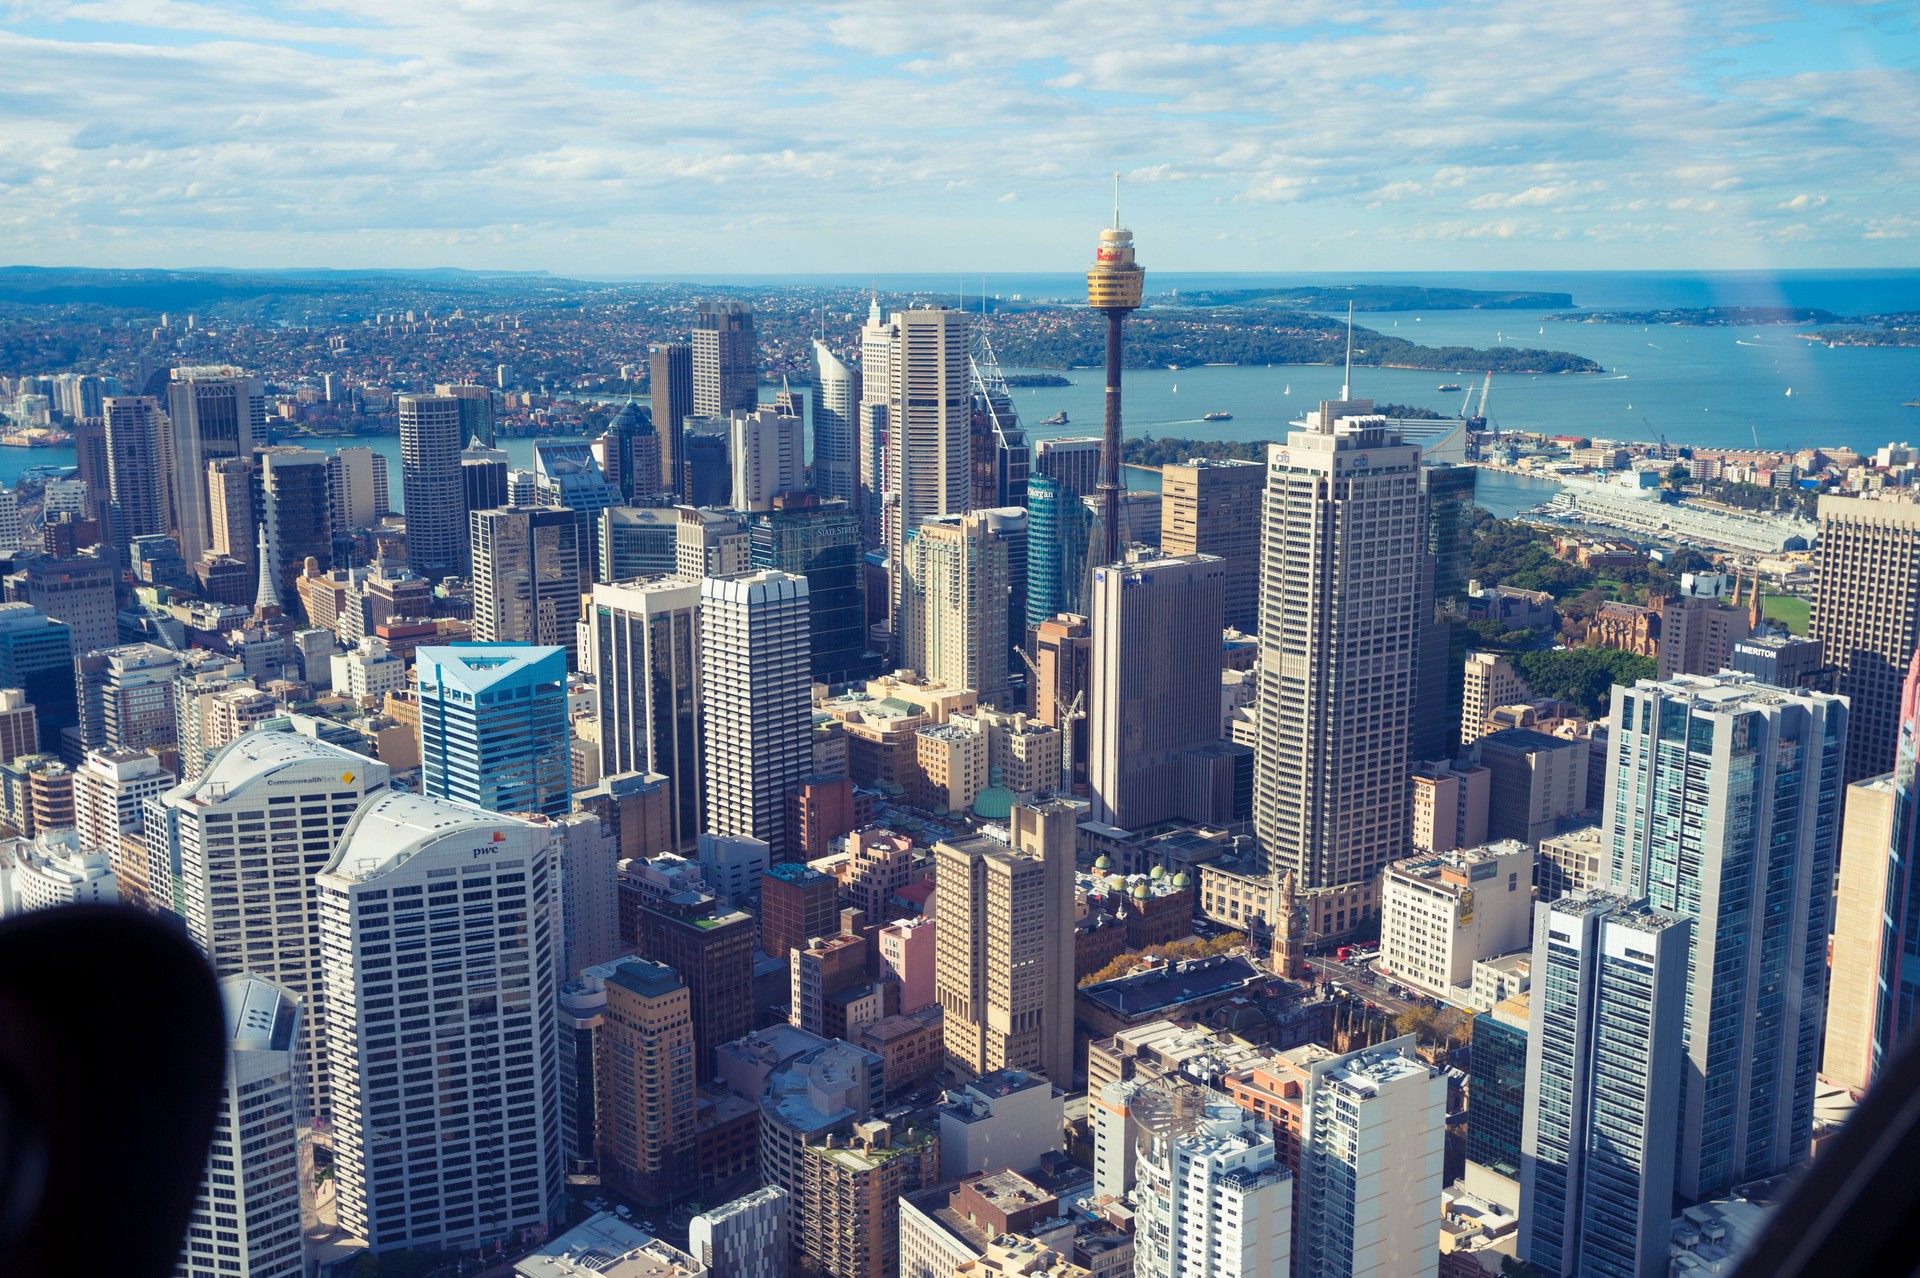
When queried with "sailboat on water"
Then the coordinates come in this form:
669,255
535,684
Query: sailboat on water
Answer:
1789,392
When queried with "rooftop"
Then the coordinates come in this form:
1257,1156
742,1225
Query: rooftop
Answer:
1170,986
607,1247
277,759
390,828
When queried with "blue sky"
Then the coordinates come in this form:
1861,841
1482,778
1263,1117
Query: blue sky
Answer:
593,136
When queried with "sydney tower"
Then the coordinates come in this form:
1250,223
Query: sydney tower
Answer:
1114,284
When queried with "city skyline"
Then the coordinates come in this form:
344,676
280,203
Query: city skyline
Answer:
1693,136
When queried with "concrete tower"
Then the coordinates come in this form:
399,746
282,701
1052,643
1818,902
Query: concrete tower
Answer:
1114,285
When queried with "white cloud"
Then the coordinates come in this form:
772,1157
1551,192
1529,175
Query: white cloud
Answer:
610,135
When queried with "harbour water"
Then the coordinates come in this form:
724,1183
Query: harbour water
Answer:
1698,386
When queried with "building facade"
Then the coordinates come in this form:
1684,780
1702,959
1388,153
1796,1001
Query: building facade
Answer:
483,1160
493,727
1723,804
757,712
1342,538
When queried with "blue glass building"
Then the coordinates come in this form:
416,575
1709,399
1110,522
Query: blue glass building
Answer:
493,726
1058,525
36,656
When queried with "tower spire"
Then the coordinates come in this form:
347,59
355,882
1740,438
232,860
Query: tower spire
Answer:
1346,387
266,600
1116,199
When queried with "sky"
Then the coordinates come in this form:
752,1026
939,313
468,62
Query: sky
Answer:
602,137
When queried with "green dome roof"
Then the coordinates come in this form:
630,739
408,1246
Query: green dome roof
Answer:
1181,880
1104,863
1141,892
995,803
1156,872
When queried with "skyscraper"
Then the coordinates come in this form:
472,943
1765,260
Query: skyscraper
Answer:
296,508
1604,1055
137,476
709,945
90,460
1372,1151
1003,968
1212,1198
1339,630
248,892
357,480
644,1070
757,712
1866,613
877,338
213,412
483,480
630,453
646,662
1440,678
249,1202
670,383
36,656
232,527
1213,508
1063,651
953,625
929,445
1156,658
836,439
476,410
528,572
473,1151
1058,527
821,541
430,444
1874,995
1723,804
493,727
726,359
768,454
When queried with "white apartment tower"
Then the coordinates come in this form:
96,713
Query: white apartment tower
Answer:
836,441
877,338
246,1221
249,836
1339,632
1372,1152
954,624
929,429
768,454
1210,1196
756,701
447,1113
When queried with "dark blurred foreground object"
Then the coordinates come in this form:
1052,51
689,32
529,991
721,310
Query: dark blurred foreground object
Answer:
111,1053
1855,1211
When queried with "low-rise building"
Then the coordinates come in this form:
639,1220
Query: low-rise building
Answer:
1009,1118
1569,862
912,1047
1442,914
745,1238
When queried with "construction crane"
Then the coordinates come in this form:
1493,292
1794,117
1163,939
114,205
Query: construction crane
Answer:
1478,421
1069,715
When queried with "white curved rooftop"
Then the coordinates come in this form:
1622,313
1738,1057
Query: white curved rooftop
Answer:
257,756
392,827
